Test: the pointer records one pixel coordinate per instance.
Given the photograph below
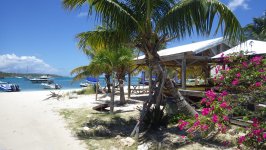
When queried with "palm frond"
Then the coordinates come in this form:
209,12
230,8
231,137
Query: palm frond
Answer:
188,16
72,4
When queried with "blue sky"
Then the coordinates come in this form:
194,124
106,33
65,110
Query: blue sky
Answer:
39,36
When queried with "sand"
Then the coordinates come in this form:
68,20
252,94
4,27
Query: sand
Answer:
29,123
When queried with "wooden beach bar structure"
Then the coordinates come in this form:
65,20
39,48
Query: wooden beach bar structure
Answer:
194,54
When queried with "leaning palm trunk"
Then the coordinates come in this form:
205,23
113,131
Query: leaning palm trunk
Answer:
166,89
122,93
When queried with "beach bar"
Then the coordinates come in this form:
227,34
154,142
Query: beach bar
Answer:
194,54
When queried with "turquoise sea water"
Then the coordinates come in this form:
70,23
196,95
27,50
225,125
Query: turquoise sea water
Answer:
65,82
27,85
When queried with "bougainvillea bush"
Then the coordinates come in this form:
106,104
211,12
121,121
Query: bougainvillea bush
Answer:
239,86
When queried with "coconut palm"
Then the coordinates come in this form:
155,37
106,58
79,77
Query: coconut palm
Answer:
148,24
257,29
108,61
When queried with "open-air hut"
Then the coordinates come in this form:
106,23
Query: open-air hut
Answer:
198,53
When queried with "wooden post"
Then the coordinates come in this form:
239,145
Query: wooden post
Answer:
96,90
183,78
129,84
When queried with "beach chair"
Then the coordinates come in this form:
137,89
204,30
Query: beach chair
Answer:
134,83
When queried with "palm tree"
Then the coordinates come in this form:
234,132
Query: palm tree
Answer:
123,61
257,29
148,24
107,61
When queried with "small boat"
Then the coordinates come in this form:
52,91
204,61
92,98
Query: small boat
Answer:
84,84
42,79
89,81
51,85
18,77
9,87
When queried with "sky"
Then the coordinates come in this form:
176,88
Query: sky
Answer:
38,36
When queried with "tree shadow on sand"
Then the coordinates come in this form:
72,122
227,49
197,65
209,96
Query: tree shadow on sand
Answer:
107,128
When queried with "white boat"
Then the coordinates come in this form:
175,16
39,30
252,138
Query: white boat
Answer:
18,77
51,86
8,87
42,79
84,84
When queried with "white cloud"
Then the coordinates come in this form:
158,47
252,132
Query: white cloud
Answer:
82,14
234,4
24,64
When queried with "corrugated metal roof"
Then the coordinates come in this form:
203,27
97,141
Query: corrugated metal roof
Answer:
252,46
196,47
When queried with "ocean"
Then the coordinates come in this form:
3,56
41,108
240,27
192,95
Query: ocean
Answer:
65,82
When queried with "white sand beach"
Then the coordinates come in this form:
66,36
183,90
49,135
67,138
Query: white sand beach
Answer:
29,123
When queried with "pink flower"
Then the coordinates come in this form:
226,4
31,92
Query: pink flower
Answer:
204,127
211,95
225,118
196,116
223,105
257,132
245,64
235,82
217,69
238,75
222,128
197,123
258,84
205,111
224,93
182,124
261,70
203,101
256,60
264,135
227,68
220,98
215,118
221,77
259,139
241,139
255,122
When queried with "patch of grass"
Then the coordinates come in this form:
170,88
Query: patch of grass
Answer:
86,91
102,127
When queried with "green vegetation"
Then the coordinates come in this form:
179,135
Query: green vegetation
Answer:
257,29
32,75
86,91
149,25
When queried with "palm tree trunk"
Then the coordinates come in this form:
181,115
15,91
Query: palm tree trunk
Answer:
108,82
112,95
165,88
170,91
122,93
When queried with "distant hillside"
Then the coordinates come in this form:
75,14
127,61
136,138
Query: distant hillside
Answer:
32,75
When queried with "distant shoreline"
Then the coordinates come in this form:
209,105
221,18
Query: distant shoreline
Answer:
25,75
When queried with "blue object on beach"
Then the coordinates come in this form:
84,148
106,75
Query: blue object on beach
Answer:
92,80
